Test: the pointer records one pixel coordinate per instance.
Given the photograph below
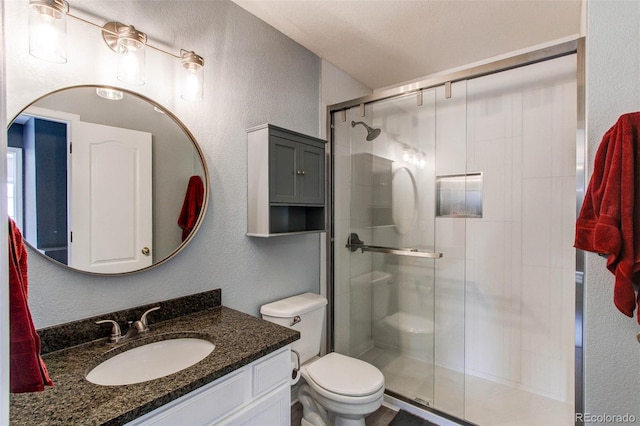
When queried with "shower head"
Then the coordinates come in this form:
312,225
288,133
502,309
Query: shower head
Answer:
371,132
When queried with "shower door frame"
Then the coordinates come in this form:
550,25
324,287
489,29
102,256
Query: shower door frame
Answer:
577,47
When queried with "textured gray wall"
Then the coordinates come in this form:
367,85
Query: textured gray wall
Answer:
612,354
253,75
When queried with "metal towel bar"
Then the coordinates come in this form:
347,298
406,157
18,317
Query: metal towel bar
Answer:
354,243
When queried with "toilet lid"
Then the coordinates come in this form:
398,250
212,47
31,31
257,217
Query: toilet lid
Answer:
345,375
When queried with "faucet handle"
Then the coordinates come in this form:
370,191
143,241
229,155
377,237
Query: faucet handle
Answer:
116,334
143,319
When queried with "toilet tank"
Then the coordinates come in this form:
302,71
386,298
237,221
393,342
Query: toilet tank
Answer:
304,313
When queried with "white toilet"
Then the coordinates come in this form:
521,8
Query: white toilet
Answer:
339,390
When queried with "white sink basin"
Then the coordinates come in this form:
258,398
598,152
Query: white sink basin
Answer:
150,361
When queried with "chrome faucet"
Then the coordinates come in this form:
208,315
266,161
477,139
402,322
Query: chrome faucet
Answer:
140,327
136,329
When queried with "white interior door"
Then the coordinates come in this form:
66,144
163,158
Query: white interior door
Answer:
110,199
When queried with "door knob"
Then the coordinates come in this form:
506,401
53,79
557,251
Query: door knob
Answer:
146,251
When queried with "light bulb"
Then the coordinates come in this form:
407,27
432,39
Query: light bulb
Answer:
48,30
192,86
110,94
131,60
130,68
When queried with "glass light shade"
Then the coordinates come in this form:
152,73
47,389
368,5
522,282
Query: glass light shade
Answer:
48,30
192,85
110,94
131,55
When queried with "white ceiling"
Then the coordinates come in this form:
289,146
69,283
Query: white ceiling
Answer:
387,42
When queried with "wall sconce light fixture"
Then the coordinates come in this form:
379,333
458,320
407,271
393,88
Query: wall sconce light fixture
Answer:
414,156
47,34
193,76
129,44
48,30
109,93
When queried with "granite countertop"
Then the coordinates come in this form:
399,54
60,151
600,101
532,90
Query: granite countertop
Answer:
239,339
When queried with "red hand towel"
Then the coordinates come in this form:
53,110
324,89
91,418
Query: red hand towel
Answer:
609,218
191,206
28,372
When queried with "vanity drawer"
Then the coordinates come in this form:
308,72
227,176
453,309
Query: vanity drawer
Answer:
272,371
205,404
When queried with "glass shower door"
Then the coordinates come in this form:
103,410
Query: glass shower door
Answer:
483,171
385,256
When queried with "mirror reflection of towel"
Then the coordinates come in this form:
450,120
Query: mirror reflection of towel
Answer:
191,206
28,372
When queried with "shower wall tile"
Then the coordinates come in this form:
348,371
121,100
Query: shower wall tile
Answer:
568,307
519,326
493,106
449,338
567,382
542,373
568,222
342,226
492,327
360,315
537,139
342,205
549,117
494,163
545,332
536,221
415,281
342,262
342,334
568,165
451,132
553,101
342,170
515,179
450,294
556,213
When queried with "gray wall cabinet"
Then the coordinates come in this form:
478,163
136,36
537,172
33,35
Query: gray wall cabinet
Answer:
286,182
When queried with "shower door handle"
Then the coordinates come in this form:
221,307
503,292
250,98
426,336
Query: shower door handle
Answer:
354,243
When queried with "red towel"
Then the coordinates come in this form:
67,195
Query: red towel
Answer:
191,206
609,221
28,372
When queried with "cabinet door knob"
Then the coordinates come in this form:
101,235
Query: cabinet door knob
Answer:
146,251
300,172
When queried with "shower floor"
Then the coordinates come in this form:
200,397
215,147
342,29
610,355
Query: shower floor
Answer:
485,402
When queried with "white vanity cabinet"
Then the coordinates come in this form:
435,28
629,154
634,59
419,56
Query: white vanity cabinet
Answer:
258,393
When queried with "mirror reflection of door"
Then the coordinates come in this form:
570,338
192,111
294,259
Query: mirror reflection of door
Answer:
102,234
110,199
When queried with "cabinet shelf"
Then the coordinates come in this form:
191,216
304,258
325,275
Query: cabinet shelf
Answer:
286,182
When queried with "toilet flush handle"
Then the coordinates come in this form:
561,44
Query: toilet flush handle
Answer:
296,320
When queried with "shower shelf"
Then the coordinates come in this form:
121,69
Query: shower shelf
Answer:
354,243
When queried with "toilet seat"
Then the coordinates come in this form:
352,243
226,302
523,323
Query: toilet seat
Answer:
342,377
